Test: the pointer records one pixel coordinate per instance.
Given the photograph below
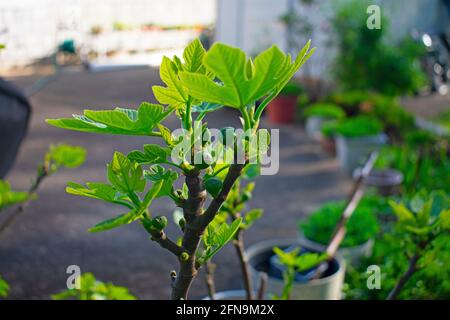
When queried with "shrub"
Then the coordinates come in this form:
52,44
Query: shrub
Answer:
291,89
397,122
419,242
423,161
365,61
359,127
325,110
321,224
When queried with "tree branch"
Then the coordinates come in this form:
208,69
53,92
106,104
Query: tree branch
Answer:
42,174
209,279
238,243
196,223
412,268
233,174
161,238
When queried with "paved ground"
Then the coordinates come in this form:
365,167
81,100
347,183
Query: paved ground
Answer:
51,234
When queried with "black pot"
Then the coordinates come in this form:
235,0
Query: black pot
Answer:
15,113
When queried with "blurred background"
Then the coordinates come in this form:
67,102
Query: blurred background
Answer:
60,57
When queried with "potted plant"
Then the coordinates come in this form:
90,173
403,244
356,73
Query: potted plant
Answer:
283,280
319,113
308,270
362,227
283,108
190,91
356,138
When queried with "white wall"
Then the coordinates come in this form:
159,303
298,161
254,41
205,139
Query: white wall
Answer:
250,24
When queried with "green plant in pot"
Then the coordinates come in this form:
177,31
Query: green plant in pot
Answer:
319,113
283,108
362,227
324,276
296,279
356,138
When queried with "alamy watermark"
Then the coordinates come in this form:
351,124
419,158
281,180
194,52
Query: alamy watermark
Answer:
374,278
374,19
73,280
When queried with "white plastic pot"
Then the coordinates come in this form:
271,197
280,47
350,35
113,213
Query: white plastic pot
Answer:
352,152
326,288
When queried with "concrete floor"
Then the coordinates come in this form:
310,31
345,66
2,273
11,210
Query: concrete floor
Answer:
51,234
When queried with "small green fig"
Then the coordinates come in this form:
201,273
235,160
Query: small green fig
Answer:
159,223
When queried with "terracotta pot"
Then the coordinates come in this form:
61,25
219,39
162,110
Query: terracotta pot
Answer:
282,109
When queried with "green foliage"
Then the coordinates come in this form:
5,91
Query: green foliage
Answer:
92,289
291,89
64,155
321,224
325,110
200,82
365,61
328,128
239,195
61,155
242,81
426,216
139,122
360,126
421,229
423,161
217,234
4,288
126,181
9,197
295,262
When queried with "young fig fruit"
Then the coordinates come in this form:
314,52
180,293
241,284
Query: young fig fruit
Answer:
159,223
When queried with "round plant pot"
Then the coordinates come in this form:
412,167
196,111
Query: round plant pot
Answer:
313,126
282,109
354,151
329,287
387,181
328,144
352,255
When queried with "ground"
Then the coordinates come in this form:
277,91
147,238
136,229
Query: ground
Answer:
51,234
